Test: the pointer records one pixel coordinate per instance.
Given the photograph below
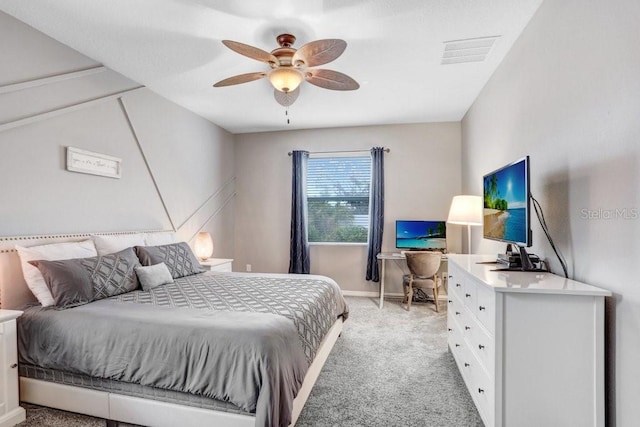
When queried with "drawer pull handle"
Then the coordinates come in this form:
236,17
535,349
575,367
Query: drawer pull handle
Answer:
480,390
482,308
450,277
450,301
457,285
457,313
13,366
466,328
450,330
457,345
467,295
480,346
466,365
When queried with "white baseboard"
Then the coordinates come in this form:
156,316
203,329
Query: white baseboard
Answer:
374,294
370,294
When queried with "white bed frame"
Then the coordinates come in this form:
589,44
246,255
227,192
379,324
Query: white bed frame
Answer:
117,407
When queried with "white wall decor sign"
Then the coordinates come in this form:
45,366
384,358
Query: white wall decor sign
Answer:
93,163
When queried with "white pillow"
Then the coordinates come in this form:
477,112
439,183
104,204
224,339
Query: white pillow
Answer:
52,252
153,275
160,238
111,244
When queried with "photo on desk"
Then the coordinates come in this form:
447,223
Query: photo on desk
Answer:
421,235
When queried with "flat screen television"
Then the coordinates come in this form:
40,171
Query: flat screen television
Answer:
506,204
421,235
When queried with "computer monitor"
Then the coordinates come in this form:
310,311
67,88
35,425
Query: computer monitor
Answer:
421,235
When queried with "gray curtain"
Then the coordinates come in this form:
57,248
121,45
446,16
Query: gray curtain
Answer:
299,249
376,213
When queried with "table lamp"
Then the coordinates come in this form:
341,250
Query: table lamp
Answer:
203,246
466,210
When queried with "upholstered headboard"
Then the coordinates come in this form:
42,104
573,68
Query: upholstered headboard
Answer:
14,292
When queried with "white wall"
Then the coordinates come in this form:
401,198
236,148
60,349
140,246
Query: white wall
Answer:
422,174
568,95
177,168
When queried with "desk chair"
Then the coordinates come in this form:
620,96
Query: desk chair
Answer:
423,268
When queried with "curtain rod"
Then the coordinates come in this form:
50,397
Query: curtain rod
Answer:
386,150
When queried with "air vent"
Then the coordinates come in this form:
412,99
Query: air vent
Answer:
468,50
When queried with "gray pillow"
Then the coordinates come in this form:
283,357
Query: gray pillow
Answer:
69,282
113,274
153,275
177,256
78,281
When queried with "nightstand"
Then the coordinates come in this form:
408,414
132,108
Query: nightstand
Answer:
10,412
217,264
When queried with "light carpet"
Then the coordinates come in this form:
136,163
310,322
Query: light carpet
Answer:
389,368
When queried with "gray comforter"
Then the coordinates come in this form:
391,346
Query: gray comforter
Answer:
255,356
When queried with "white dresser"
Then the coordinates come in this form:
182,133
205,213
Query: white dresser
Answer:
10,412
530,346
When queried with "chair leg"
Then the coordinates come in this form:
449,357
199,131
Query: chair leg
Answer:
409,296
435,297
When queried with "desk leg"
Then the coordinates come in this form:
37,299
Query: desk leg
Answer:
382,274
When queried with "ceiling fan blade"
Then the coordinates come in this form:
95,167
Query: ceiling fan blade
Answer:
319,52
251,52
240,78
329,79
286,98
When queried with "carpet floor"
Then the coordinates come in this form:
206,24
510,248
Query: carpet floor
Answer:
389,368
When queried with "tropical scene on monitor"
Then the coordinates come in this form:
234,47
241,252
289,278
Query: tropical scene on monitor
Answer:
421,235
505,204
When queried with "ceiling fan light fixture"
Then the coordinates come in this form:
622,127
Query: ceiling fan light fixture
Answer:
285,79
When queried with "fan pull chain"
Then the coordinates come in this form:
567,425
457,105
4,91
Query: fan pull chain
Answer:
286,113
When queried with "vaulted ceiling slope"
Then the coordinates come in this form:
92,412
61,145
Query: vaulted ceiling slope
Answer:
395,52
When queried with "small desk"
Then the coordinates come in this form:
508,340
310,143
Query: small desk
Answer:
383,257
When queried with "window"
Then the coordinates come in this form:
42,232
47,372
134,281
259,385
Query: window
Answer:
338,199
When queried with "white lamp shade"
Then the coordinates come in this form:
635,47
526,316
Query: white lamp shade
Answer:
285,79
204,245
466,210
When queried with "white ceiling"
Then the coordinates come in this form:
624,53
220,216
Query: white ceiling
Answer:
394,50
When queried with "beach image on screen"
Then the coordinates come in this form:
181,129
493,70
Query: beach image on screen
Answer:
421,235
505,204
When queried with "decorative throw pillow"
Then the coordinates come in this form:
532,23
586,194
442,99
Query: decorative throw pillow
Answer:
109,244
50,252
78,281
68,281
153,275
177,256
112,274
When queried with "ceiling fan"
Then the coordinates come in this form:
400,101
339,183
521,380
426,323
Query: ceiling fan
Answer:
290,66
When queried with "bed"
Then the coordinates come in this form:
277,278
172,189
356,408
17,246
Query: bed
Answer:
211,348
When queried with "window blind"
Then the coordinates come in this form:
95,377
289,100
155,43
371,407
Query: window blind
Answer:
338,198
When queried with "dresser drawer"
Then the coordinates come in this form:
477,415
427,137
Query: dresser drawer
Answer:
483,393
483,345
454,309
470,325
455,285
456,343
466,363
485,309
469,290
